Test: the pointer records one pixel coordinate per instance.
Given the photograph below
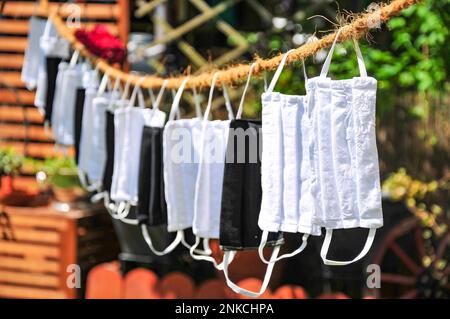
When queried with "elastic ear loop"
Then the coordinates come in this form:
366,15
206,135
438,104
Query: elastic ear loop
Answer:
198,108
241,104
227,102
278,72
137,92
228,258
158,100
326,247
263,243
116,89
207,257
168,249
176,100
361,64
74,59
207,250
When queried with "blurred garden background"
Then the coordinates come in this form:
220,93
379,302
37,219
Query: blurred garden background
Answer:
409,56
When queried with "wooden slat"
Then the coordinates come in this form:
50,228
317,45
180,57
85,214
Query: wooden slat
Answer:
8,96
11,61
13,277
7,247
36,236
12,78
9,291
39,150
30,221
14,26
26,183
13,44
19,131
97,11
43,266
16,114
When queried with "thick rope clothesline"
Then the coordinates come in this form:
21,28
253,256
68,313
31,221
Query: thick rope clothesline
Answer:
235,74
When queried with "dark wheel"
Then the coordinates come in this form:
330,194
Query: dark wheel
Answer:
412,266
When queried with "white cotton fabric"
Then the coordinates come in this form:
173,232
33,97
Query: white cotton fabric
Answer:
347,182
181,151
68,80
209,183
34,55
90,84
129,123
52,46
286,163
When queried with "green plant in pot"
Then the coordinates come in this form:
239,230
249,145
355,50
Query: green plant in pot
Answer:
10,163
62,176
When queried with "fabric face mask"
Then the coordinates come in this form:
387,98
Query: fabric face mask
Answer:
181,149
285,171
91,86
64,107
347,183
209,182
128,146
34,56
54,50
241,195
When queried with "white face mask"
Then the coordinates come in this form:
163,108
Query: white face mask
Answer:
91,85
128,126
347,183
181,151
209,182
64,105
34,56
285,166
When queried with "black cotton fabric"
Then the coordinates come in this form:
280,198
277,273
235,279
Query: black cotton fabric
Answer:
52,64
109,165
151,208
241,194
79,106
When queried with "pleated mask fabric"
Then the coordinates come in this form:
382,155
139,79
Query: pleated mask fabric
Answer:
64,103
91,86
286,168
34,55
181,149
241,195
347,182
54,49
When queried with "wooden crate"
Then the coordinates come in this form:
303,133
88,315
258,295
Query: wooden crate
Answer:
38,244
17,105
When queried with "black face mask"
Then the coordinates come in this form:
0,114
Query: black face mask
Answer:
52,71
79,106
109,165
241,195
151,209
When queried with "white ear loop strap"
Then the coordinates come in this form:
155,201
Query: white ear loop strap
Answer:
160,95
176,101
126,89
137,90
326,246
227,102
74,59
210,97
361,65
263,242
103,84
227,259
203,257
278,72
198,108
241,104
168,249
113,97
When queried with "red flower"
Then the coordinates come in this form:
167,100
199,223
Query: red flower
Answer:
102,43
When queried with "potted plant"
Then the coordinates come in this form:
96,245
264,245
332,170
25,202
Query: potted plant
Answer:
10,164
61,174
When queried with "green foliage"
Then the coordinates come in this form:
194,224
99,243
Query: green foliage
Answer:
10,162
62,172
